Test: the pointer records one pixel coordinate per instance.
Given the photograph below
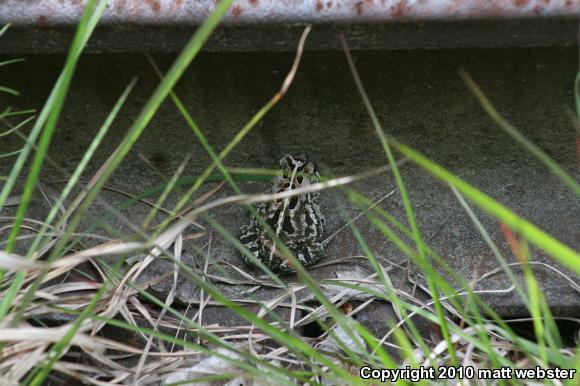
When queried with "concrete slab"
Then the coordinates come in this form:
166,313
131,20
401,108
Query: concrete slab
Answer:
420,99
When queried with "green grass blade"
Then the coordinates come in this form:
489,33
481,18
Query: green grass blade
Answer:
51,111
519,137
9,90
422,257
9,113
190,51
10,154
18,126
4,29
536,236
216,159
487,238
11,61
18,280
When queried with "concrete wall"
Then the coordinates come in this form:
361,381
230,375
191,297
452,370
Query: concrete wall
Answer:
420,99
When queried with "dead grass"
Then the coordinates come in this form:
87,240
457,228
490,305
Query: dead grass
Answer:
85,313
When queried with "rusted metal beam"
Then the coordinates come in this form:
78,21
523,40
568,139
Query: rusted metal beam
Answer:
172,12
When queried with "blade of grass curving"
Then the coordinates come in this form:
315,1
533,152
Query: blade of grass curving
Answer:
392,297
154,102
261,175
4,29
9,113
422,257
8,90
266,176
501,260
238,245
101,221
208,351
543,322
364,204
289,339
473,301
159,95
487,238
177,227
536,301
18,126
18,280
205,333
338,316
542,240
517,135
171,184
107,169
51,113
429,271
10,154
11,61
216,159
296,344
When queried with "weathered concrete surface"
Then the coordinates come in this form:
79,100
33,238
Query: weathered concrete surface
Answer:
419,98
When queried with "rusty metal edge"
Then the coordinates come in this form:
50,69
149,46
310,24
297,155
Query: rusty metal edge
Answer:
192,12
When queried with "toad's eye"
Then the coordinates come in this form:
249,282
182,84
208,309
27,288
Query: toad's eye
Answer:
287,185
299,179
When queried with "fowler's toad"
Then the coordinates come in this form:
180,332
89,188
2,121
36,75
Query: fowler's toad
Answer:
296,221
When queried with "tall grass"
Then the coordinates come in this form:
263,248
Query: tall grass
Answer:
470,332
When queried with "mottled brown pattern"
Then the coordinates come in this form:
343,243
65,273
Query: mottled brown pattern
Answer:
296,221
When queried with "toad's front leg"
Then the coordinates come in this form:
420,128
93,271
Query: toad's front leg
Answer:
249,237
